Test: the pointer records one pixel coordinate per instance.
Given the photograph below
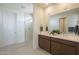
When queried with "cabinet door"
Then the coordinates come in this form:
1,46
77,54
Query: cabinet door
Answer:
44,44
55,48
67,50
61,49
77,46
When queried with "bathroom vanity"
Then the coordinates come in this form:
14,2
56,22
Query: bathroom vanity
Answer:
59,44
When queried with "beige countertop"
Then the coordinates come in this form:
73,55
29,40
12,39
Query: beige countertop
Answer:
70,37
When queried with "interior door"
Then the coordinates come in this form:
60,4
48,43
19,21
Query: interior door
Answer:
9,27
1,29
28,27
62,25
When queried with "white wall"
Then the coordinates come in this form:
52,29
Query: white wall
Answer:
72,22
36,25
40,19
19,13
53,24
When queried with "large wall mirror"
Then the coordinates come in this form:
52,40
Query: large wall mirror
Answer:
65,22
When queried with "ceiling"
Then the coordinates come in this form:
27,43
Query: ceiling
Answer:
27,7
45,5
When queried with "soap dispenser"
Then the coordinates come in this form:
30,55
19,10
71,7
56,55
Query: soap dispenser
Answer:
41,28
46,28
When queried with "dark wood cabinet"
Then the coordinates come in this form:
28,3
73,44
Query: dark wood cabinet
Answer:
67,50
57,46
77,46
44,42
61,49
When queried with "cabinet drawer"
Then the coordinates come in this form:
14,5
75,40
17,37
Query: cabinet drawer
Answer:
45,37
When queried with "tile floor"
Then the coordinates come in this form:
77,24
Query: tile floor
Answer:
22,49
